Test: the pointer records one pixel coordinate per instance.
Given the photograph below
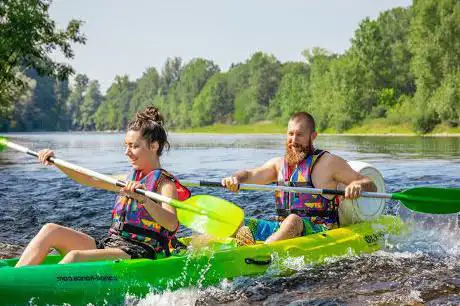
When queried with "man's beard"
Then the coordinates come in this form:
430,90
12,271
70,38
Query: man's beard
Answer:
296,153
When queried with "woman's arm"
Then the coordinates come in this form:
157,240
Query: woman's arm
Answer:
163,213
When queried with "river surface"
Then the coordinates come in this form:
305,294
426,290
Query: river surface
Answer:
421,267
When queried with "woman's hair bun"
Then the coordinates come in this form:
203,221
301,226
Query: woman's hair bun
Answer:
150,113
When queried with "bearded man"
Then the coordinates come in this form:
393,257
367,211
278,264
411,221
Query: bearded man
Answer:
302,166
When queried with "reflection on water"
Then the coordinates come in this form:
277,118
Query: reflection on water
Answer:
420,267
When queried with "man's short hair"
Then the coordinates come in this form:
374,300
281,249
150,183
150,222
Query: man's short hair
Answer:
307,117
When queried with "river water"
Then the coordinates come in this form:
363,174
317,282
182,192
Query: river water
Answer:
419,267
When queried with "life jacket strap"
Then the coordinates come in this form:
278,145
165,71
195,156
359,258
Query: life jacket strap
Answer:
125,227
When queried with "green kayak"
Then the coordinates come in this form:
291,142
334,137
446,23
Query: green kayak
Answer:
108,282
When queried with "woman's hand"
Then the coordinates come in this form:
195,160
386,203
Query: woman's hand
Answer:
43,156
128,190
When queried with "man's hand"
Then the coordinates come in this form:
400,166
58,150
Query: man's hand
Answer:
232,183
353,190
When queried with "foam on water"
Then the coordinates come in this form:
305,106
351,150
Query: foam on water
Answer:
186,297
432,234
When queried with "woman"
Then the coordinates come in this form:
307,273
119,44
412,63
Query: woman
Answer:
140,228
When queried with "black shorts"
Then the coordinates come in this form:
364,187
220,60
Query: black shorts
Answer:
133,248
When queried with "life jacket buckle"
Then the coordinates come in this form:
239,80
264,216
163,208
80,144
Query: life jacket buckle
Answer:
117,225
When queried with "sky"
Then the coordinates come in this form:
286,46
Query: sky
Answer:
127,37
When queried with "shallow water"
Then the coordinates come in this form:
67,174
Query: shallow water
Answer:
420,267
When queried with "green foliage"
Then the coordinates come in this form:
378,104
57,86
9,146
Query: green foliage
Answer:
401,68
245,105
76,100
214,104
113,112
334,92
380,46
386,97
146,90
402,112
435,41
28,36
42,107
88,108
292,96
293,91
446,100
191,81
425,121
254,84
170,74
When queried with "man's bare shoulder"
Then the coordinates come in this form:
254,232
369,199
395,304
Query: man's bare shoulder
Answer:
330,158
330,163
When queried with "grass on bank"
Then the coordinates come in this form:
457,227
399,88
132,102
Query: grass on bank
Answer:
255,128
369,127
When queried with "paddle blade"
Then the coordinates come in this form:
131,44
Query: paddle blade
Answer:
211,215
2,143
431,200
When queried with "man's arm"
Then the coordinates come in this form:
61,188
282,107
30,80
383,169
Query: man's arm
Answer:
356,183
262,175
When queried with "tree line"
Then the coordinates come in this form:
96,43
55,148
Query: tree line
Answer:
403,67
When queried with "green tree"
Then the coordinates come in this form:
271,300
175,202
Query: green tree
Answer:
170,74
321,88
434,42
75,101
62,96
28,36
383,53
293,91
40,108
88,108
246,108
146,89
193,78
292,96
260,77
113,112
446,100
214,104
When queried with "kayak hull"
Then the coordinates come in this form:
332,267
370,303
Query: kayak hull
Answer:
109,282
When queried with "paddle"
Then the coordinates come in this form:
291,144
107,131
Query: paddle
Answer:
202,213
431,200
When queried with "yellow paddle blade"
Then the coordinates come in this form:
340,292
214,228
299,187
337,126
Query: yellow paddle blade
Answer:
211,215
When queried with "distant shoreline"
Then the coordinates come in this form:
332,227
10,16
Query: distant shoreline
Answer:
266,128
269,128
329,134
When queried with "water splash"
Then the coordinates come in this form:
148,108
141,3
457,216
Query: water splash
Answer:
186,297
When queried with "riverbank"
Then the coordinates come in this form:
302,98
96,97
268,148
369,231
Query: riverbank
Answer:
376,127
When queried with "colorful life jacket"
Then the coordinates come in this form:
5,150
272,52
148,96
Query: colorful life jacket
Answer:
132,221
316,208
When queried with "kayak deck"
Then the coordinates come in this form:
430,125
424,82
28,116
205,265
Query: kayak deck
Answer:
110,281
